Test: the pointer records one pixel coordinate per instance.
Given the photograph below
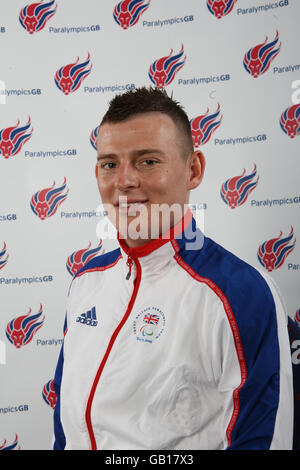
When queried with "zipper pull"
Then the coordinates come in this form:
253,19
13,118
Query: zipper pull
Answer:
129,264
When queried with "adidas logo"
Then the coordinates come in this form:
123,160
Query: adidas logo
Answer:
88,318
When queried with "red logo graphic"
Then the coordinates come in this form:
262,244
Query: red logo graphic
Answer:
163,70
5,446
21,330
49,394
13,138
290,121
44,203
79,258
128,12
258,59
69,77
33,17
93,137
236,190
204,125
272,253
3,256
297,316
220,8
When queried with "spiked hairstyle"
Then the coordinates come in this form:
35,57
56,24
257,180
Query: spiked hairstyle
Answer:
150,100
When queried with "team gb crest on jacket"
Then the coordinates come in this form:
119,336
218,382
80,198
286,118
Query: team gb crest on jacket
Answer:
149,324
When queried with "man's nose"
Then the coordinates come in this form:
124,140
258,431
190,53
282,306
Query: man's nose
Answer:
127,177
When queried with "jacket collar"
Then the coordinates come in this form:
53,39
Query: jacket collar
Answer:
156,254
153,245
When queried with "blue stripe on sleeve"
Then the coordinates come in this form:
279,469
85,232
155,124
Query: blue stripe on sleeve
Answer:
60,440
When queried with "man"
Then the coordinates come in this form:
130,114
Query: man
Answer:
187,345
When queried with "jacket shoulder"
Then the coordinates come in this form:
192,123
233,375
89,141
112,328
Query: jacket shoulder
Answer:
103,261
236,282
226,269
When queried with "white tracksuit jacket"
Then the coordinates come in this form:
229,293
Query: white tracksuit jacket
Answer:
190,352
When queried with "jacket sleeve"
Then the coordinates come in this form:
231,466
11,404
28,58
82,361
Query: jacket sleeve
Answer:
255,370
59,436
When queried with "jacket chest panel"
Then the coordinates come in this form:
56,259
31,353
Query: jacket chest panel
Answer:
159,322
158,371
159,374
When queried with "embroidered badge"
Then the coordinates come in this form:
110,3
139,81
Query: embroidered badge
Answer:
149,324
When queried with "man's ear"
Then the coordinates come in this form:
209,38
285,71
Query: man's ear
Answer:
96,170
196,169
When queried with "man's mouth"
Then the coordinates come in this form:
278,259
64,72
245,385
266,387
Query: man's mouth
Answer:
130,207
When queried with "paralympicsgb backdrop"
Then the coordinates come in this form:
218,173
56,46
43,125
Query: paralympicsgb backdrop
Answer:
233,65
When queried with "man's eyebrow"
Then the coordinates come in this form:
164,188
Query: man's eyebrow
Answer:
135,153
141,152
101,156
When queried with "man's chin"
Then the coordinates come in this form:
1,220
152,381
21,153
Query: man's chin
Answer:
146,224
134,228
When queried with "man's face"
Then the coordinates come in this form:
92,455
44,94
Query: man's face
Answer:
140,167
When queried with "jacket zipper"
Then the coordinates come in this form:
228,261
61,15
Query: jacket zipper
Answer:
129,264
136,284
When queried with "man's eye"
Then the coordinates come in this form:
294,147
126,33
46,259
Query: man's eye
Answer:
149,162
108,165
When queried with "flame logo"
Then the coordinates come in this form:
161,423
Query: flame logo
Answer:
49,394
79,258
33,17
236,190
21,330
44,203
12,446
258,59
204,125
220,8
3,257
290,121
163,70
128,12
13,138
272,253
297,317
93,137
69,77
